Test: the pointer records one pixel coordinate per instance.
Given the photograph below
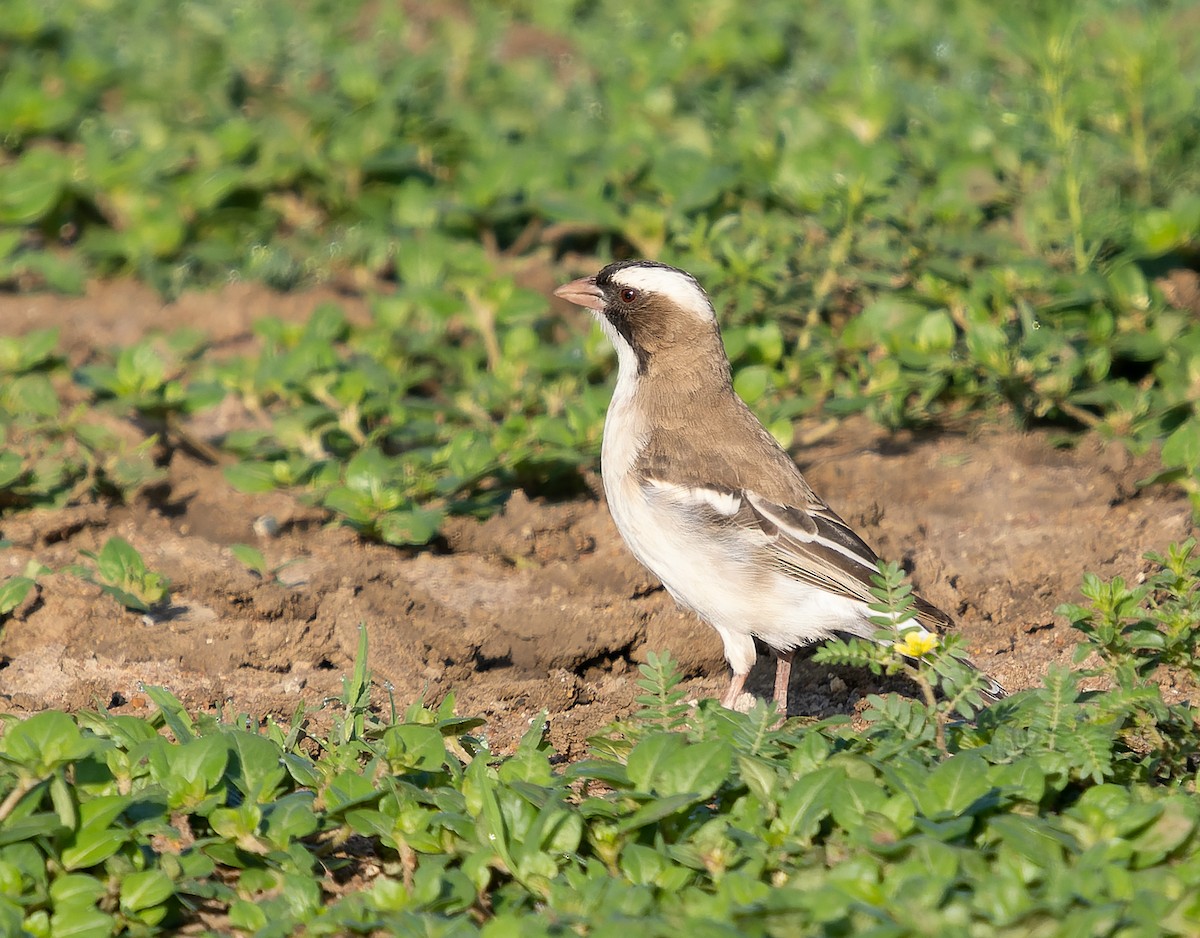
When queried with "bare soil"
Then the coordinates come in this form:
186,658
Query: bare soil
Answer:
540,607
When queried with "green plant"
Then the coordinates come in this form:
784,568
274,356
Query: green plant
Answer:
358,424
1138,633
14,589
1052,810
935,663
253,560
121,573
1181,457
55,456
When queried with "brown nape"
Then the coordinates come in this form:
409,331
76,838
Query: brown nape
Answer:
678,346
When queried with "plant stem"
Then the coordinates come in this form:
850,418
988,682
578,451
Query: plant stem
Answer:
940,717
23,787
1066,138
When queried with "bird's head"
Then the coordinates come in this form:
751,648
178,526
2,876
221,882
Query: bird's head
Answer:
655,315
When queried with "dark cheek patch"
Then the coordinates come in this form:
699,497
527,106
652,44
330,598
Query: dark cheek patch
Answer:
624,326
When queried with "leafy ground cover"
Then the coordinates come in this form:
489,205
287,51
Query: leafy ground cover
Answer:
933,219
1057,811
539,607
1066,805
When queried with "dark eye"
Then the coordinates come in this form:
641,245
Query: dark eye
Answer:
628,295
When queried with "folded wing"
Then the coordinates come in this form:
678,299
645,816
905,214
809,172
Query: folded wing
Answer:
807,542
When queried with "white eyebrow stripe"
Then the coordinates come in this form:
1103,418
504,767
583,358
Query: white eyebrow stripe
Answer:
671,283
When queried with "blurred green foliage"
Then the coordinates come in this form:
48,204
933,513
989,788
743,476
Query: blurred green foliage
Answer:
53,454
907,210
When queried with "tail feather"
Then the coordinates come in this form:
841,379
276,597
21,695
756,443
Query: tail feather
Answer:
930,616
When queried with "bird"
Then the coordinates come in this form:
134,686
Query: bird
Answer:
706,498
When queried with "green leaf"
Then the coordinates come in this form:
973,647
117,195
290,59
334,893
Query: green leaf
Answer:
255,766
13,592
1022,779
250,557
561,831
29,351
760,776
247,916
649,756
92,845
354,505
239,825
41,824
1182,447
953,787
415,526
119,562
349,789
413,748
699,768
1032,838
140,891
82,923
935,333
1171,829
12,920
809,800
76,889
1158,231
31,187
177,719
200,761
302,770
12,469
62,273
63,800
369,473
856,798
124,576
10,241
290,818
641,864
32,394
126,598
655,811
44,743
751,383
251,477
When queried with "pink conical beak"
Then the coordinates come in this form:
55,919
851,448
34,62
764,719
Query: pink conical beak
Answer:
582,292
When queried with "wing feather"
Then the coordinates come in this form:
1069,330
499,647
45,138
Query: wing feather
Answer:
810,543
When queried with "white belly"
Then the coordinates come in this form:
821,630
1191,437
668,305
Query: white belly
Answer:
718,571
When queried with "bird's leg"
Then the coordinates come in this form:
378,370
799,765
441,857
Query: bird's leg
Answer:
783,673
734,691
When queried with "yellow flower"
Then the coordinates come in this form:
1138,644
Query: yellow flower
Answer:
916,643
